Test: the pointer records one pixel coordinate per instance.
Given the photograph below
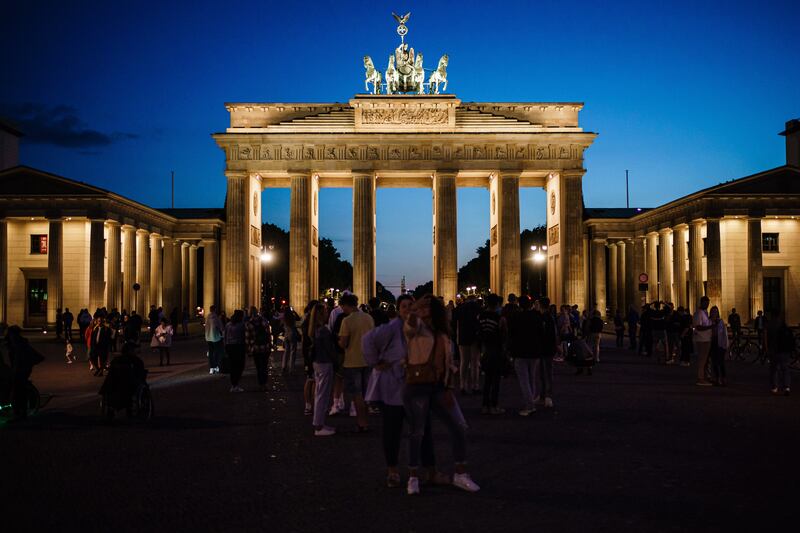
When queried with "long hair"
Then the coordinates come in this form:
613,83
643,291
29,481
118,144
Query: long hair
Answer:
438,315
316,319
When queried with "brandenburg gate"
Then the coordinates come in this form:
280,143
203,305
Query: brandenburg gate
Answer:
399,136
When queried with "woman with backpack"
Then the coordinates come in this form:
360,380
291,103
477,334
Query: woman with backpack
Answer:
428,361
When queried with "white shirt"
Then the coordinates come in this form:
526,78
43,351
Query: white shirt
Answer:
701,319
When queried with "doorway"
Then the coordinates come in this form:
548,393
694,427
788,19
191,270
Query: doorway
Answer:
35,302
773,295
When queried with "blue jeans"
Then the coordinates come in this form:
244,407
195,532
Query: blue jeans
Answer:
543,378
422,400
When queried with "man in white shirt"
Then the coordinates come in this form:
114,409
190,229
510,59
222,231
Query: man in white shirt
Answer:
702,340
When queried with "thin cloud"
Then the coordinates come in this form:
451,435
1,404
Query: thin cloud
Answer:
58,125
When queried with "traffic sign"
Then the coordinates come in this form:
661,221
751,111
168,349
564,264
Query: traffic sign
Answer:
643,277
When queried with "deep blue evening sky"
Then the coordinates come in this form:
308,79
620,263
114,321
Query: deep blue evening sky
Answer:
117,94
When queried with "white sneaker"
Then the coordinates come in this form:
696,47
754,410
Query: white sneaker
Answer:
334,411
527,412
210,371
353,410
463,481
216,370
413,486
324,431
548,402
237,389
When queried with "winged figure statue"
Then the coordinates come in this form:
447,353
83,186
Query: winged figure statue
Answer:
403,19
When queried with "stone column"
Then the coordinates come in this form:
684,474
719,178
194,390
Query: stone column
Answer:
639,244
613,278
184,284
192,284
55,269
651,265
571,235
168,300
113,267
156,278
665,265
445,251
679,264
364,236
713,263
621,275
237,253
599,274
505,265
695,263
210,269
3,270
97,256
631,277
300,235
143,272
755,266
128,267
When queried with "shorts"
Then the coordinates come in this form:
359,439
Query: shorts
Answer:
355,380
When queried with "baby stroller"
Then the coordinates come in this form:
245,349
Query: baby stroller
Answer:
580,355
125,387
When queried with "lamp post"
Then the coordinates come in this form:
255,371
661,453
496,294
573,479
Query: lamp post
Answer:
267,257
539,257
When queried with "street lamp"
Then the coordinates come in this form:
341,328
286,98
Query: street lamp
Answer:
267,257
539,257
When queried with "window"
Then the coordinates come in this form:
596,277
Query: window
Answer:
705,244
39,244
769,242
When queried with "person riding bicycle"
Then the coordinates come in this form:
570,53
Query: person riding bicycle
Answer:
22,357
126,374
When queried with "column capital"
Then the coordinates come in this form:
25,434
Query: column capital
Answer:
697,222
611,244
183,244
140,231
573,172
504,174
204,242
664,231
128,227
193,246
446,173
236,174
600,240
112,222
680,226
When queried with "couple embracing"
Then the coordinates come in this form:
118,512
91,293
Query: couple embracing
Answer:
411,359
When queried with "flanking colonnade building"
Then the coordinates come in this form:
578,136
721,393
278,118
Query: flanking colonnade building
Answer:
67,244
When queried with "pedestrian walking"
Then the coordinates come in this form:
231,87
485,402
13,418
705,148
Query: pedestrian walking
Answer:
354,367
100,342
633,322
162,340
525,330
719,347
595,334
259,346
780,344
429,357
492,356
702,340
619,328
291,337
466,320
214,340
323,355
308,364
235,348
543,371
68,319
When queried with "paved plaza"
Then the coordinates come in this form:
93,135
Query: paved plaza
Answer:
635,447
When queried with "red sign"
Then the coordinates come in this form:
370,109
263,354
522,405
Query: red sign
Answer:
643,278
42,244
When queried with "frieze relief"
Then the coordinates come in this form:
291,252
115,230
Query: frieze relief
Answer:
245,152
404,116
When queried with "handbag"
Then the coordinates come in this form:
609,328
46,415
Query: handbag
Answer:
424,373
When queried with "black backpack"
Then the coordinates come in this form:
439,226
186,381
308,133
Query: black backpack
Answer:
261,334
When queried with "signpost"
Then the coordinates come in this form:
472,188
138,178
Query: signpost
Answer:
643,286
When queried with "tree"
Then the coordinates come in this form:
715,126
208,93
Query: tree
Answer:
476,271
275,275
383,294
333,271
422,290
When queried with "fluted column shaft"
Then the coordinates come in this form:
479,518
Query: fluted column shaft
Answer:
665,265
639,244
599,274
621,275
679,264
185,276
364,236
143,272
651,264
168,292
504,264
300,261
55,269
177,270
613,278
210,274
192,279
445,236
97,255
237,244
3,271
755,266
114,267
631,277
128,267
571,236
696,290
156,279
713,263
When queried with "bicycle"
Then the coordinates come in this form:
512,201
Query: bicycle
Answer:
34,401
745,349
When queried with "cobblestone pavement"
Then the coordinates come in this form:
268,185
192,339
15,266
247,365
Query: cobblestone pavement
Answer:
635,447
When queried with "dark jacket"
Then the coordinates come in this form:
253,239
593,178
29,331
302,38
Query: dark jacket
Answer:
525,334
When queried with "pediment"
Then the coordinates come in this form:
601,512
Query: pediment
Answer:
27,181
